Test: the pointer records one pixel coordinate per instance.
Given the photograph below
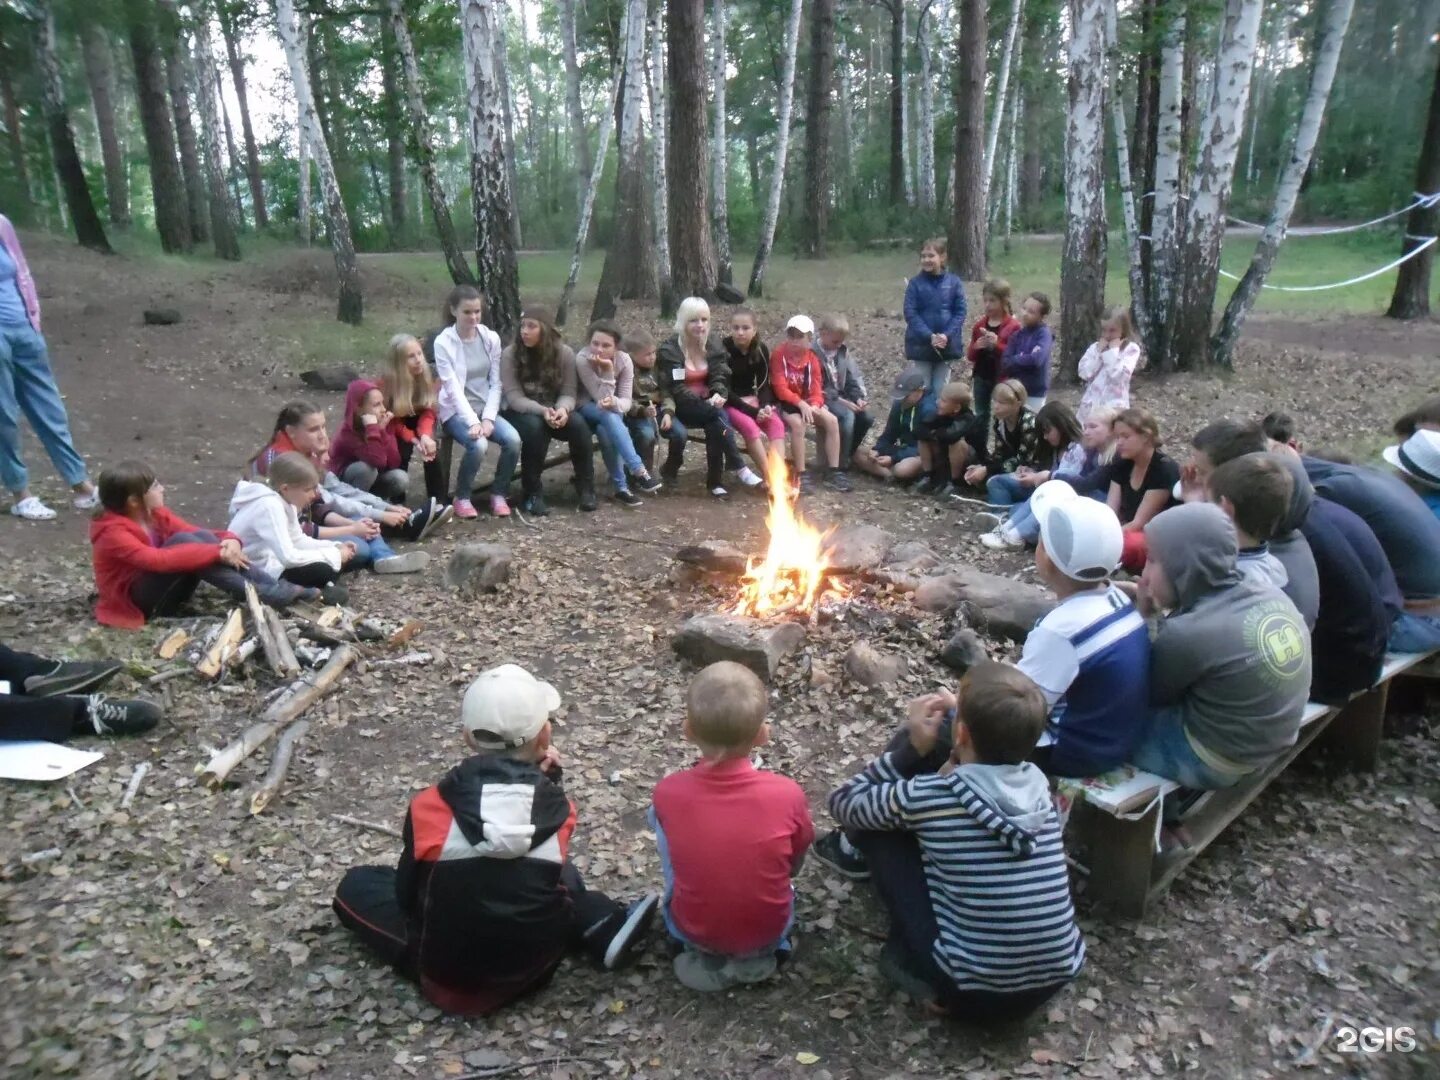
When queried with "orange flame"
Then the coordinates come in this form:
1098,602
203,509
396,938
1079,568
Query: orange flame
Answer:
792,574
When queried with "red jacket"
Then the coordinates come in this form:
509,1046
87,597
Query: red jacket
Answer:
796,374
986,362
121,550
377,447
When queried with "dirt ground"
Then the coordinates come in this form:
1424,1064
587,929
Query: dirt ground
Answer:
182,937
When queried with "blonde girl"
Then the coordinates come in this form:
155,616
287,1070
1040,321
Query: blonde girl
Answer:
411,397
1108,364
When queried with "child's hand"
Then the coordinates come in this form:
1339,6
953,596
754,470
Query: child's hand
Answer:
232,554
1191,490
347,552
766,411
923,721
884,460
937,341
394,516
427,447
665,421
607,402
649,412
367,529
384,417
550,761
477,431
716,400
975,475
807,412
989,339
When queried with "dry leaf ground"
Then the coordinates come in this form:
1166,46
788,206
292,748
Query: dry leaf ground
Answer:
184,938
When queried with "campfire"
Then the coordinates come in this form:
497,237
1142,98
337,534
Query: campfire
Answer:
792,575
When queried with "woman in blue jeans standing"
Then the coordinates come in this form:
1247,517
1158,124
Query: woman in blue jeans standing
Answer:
27,385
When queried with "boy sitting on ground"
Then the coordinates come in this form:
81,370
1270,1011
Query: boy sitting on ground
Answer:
1254,490
954,437
968,861
1090,655
1230,662
731,837
484,903
899,453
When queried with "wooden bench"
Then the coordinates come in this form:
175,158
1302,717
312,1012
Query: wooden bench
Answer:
1116,817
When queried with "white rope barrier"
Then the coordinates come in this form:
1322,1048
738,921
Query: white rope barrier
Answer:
1418,200
1429,240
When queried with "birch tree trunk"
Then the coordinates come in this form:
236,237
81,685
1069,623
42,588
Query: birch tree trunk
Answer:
1002,86
237,76
172,215
351,305
496,269
907,118
88,229
587,203
1219,145
13,134
1082,265
1139,308
655,85
1411,299
532,127
782,146
815,215
845,189
508,110
896,8
100,73
1165,207
967,181
925,45
1329,38
425,146
573,107
629,270
692,252
237,166
394,112
222,225
181,81
720,163
303,211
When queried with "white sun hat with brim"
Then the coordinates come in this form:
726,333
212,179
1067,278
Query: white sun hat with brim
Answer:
1081,535
1418,457
506,707
803,323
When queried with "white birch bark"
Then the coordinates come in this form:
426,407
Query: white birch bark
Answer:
302,204
573,106
351,300
1082,268
844,183
782,147
1330,38
1164,216
907,120
1139,309
497,276
222,224
655,86
924,43
720,158
1002,87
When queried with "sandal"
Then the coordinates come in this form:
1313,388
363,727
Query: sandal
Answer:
32,509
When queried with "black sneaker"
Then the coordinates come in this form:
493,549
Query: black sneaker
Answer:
950,488
625,497
646,483
892,966
669,475
848,864
73,677
534,505
839,480
807,483
588,502
924,485
117,716
335,593
629,929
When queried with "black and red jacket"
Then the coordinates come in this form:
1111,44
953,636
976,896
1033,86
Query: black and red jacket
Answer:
479,881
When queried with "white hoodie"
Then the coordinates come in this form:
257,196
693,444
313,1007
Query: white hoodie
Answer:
269,530
469,374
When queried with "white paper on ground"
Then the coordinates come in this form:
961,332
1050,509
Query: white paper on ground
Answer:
42,760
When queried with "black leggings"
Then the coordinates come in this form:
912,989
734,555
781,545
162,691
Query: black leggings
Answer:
535,438
164,594
436,483
315,575
52,719
720,450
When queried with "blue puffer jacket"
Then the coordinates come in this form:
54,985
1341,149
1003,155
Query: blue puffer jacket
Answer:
934,304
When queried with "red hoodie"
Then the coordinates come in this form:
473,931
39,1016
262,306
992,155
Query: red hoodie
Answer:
986,362
795,373
121,550
377,447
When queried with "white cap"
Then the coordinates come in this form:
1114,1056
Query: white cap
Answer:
506,707
1082,536
803,323
1418,457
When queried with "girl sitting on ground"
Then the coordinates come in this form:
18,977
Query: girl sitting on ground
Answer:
750,408
468,360
1013,441
1057,448
366,452
148,560
1085,466
411,398
1109,362
264,517
1142,481
605,377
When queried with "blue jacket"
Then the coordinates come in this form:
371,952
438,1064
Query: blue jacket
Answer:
903,428
1027,358
934,304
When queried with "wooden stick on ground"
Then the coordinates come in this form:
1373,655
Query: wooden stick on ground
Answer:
277,647
229,637
302,694
373,826
282,640
135,778
173,643
279,766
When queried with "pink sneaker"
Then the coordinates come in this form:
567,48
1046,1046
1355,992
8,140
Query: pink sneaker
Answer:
464,508
498,506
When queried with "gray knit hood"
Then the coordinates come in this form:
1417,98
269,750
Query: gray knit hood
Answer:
1196,545
1302,495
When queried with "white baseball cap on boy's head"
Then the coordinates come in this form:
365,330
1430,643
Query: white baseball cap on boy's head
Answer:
803,323
1082,536
1418,457
506,707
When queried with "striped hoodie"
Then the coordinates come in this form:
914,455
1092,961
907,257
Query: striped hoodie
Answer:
994,864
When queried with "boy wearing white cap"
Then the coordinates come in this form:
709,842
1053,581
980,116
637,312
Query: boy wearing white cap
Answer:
797,379
484,903
1417,460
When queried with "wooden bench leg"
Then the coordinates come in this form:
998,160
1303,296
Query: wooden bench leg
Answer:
1353,737
1121,855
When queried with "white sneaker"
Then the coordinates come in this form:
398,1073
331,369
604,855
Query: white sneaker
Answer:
1002,539
987,521
86,502
32,509
749,477
412,562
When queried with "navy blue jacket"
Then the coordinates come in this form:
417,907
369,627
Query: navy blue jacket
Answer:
1353,627
934,304
904,427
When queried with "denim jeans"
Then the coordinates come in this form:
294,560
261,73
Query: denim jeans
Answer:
504,436
27,385
1412,633
616,447
1027,525
937,371
1006,490
853,429
367,552
1166,751
980,391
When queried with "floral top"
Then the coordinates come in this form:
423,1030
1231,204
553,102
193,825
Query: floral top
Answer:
1108,374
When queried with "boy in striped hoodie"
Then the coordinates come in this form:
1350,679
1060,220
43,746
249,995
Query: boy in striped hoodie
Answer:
969,860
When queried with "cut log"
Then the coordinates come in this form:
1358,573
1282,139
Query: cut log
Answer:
409,659
282,642
1000,606
336,379
278,653
301,695
173,643
714,556
229,638
279,766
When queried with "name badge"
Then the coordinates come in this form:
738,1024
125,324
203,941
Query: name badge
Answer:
678,374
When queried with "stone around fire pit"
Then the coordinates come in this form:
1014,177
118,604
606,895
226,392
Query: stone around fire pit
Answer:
963,651
869,666
708,639
1004,607
478,568
912,557
853,548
